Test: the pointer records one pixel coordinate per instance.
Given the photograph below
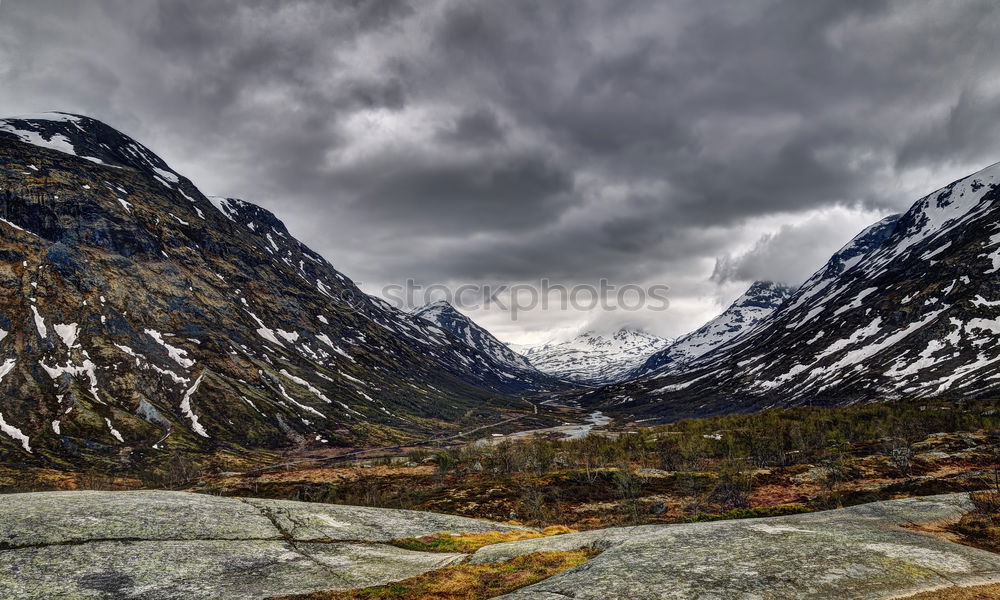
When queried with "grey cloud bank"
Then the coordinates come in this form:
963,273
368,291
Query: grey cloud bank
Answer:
455,141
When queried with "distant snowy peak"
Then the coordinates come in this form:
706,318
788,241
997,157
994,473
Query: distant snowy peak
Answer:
595,359
447,317
758,302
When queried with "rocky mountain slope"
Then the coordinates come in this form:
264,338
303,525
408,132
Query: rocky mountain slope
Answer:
442,314
140,318
910,308
763,298
595,359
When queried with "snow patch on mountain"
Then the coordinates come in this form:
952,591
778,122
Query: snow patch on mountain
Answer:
763,298
909,308
445,316
595,359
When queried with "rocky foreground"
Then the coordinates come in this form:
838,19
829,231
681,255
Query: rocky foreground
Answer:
110,545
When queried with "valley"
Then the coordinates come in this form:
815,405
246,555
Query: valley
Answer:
847,495
778,462
476,300
158,340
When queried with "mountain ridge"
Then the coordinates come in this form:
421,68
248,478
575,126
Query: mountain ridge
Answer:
760,300
141,318
594,359
442,314
907,309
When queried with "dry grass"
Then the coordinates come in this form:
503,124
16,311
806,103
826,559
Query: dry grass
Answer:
46,480
466,582
468,543
987,502
981,527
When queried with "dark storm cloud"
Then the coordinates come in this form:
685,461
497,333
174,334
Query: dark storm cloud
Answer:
515,193
450,140
970,129
475,127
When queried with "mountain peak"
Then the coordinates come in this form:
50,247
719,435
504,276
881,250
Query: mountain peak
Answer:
89,139
435,306
593,358
445,316
760,300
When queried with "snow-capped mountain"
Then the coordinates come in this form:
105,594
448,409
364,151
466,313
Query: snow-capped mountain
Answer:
759,301
910,308
140,318
595,359
447,317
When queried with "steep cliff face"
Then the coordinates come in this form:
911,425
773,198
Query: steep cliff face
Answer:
140,317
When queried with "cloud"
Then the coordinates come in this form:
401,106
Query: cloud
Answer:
793,252
466,195
969,127
475,128
454,140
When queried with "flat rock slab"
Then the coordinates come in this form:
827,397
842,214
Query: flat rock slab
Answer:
155,570
163,545
153,545
306,521
61,517
48,518
858,553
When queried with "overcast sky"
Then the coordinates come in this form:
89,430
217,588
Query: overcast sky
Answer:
458,141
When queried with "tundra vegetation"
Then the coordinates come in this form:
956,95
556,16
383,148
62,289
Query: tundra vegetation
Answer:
768,463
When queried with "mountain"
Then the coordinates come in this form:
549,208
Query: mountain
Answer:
141,318
759,301
442,314
595,359
910,308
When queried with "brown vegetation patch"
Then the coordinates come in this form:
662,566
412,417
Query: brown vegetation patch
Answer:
467,543
979,592
340,474
466,582
981,527
51,480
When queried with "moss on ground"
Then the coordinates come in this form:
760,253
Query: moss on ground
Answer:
469,543
466,582
750,513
